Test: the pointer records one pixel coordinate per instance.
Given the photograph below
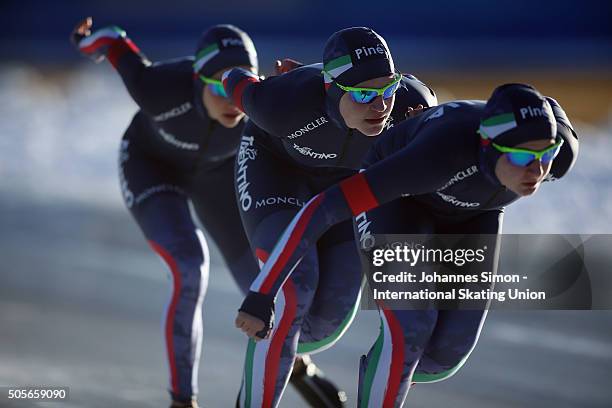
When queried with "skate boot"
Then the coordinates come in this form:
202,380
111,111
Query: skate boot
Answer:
311,384
189,404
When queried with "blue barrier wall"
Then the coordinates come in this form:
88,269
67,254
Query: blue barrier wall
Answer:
441,33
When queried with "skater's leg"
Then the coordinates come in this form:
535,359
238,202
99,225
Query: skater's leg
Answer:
155,198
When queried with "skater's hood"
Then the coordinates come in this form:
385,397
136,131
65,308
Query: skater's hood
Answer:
351,56
514,114
221,46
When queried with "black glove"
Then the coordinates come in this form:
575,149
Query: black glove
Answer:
260,306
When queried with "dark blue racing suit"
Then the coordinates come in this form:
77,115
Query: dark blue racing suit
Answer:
173,154
425,175
296,145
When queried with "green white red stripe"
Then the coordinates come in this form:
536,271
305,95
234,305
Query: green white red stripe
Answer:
336,67
263,357
377,372
496,125
386,362
246,391
204,56
277,341
101,37
397,359
251,393
285,247
115,41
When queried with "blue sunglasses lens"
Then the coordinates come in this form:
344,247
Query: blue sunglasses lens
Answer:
369,96
391,90
524,159
520,159
217,89
549,156
363,96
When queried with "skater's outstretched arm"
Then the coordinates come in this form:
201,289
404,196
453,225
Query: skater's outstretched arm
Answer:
113,44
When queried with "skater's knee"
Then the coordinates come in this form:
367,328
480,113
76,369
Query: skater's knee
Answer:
188,250
432,370
187,261
321,328
405,334
442,359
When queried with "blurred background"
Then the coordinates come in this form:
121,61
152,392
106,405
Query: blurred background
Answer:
81,294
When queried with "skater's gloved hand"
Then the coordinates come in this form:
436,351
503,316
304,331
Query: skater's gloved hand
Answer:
256,315
82,36
411,112
286,65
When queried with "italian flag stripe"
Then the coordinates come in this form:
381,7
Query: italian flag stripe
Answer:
397,359
207,50
496,125
286,246
338,62
372,367
107,32
277,341
338,66
248,374
499,119
204,56
491,132
381,367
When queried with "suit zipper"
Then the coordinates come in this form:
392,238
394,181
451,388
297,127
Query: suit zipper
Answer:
345,146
